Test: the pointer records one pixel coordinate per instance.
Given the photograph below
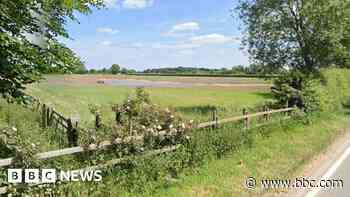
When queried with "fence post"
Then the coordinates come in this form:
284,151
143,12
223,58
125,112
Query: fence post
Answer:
246,120
118,117
266,116
287,112
43,116
72,133
48,117
38,105
215,119
98,120
130,125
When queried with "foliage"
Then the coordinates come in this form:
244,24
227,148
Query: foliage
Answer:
337,85
300,34
21,149
328,92
115,69
288,88
139,116
236,70
28,40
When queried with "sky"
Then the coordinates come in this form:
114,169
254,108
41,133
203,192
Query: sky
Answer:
141,34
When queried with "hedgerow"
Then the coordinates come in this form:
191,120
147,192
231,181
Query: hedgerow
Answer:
325,91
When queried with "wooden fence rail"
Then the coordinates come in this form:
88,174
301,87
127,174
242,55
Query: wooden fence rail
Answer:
106,144
245,117
4,190
51,118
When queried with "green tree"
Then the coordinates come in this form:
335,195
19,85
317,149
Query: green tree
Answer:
92,71
297,34
80,69
115,69
28,40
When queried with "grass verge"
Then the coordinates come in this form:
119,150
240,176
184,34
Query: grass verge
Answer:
217,162
279,151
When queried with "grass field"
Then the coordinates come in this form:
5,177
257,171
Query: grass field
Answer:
213,163
71,95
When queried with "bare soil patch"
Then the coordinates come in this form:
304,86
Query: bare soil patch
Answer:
160,81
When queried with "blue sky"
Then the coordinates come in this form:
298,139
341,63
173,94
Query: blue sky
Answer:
143,34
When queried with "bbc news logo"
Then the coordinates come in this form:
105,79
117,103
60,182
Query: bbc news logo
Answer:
51,176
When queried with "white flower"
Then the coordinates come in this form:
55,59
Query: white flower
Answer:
171,126
14,128
143,127
183,125
159,127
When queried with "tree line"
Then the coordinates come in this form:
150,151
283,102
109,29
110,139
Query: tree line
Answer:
252,69
114,69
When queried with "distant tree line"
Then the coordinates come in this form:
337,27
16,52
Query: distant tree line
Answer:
80,68
114,69
252,69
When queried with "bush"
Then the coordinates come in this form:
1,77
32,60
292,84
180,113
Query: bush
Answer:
327,91
288,88
337,85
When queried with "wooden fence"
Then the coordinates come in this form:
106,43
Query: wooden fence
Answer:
51,118
246,118
105,144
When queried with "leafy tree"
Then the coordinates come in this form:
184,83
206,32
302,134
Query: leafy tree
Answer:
80,69
104,71
28,40
115,69
92,71
297,34
124,71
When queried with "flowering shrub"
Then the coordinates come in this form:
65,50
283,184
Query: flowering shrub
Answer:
138,116
11,145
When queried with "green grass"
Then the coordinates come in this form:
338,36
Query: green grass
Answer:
280,153
225,157
27,123
193,103
217,162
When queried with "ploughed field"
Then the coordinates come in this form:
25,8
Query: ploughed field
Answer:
192,97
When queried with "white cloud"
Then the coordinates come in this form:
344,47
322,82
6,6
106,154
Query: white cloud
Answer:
138,45
211,39
176,46
137,4
197,42
106,43
190,26
107,30
110,3
183,29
